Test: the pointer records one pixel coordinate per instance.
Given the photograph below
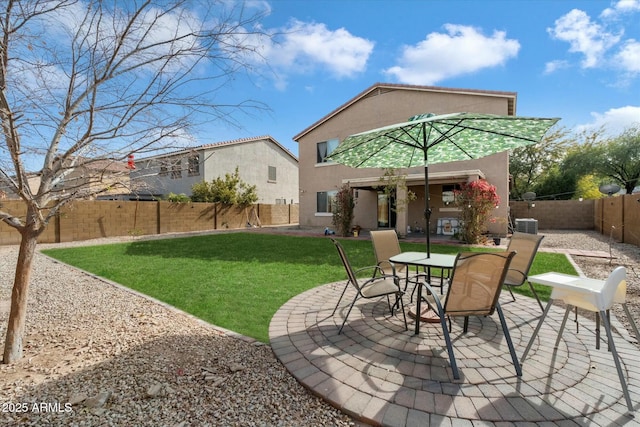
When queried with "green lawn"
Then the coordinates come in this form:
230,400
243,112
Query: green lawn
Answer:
239,280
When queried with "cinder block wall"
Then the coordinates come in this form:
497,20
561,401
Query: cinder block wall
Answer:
278,214
180,217
84,220
619,217
631,226
91,219
556,214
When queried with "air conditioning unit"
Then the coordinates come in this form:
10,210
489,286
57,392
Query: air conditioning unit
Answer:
527,225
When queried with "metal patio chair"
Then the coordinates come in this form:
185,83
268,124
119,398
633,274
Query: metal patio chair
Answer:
377,285
474,290
525,246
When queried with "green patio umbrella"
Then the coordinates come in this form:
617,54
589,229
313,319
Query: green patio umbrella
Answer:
428,139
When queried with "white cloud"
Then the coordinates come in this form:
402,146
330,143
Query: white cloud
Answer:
629,56
584,36
622,6
462,50
304,47
553,66
613,121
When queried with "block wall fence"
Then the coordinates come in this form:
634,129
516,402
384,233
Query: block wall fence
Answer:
84,220
618,217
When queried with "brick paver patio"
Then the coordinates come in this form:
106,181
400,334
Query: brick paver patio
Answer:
382,375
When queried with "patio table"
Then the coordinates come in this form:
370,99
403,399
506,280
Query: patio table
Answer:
420,260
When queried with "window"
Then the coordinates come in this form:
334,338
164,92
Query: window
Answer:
164,168
324,149
326,201
272,174
176,172
448,193
193,168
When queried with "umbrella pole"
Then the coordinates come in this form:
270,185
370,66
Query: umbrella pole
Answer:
427,212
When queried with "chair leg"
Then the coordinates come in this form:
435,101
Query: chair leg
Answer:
536,330
348,312
564,322
404,315
535,294
597,331
340,299
633,323
447,339
513,297
623,383
507,336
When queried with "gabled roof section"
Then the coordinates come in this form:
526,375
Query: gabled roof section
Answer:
225,144
378,88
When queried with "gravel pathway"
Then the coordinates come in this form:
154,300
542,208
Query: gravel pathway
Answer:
99,355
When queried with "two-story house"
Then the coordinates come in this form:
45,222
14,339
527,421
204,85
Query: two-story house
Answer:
385,104
261,161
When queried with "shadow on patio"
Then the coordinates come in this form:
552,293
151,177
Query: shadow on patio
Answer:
382,375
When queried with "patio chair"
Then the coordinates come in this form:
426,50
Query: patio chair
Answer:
377,285
525,246
385,245
474,290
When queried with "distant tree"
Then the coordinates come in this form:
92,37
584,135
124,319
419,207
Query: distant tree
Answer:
561,179
619,159
587,187
531,164
91,82
229,190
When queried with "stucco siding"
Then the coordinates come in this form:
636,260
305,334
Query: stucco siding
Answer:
384,107
252,157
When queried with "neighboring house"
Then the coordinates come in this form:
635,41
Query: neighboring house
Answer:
381,105
87,178
261,161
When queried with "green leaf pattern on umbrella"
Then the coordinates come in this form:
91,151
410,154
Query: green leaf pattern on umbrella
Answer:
444,138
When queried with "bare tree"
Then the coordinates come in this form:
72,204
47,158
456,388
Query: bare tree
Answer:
84,84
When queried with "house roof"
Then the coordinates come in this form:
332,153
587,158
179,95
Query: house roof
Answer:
224,144
379,87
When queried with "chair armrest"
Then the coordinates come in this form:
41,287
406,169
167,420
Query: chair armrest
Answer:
377,271
514,272
432,299
374,277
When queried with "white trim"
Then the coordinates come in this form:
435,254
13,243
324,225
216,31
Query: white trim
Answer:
323,164
417,177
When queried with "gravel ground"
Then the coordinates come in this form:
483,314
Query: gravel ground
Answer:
98,355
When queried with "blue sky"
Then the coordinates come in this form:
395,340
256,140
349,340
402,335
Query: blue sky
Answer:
577,60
